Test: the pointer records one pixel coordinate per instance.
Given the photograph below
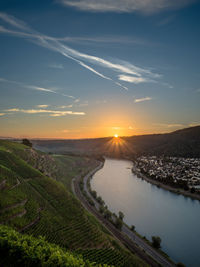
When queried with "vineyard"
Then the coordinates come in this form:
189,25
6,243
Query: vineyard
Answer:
107,256
33,203
24,250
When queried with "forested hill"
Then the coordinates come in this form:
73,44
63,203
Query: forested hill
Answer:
183,143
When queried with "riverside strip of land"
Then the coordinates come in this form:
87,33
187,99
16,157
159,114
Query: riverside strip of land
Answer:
130,239
165,186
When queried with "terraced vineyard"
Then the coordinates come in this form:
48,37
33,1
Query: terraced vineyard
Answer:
107,256
34,203
24,250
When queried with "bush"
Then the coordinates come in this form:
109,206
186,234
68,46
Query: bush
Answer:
156,240
26,142
133,228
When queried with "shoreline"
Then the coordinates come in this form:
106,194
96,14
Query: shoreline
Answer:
174,190
136,236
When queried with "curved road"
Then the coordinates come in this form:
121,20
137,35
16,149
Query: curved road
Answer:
126,236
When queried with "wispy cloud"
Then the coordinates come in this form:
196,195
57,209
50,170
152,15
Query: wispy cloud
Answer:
166,20
83,104
54,44
14,22
138,100
144,6
56,66
41,89
53,113
175,125
70,96
171,125
2,114
104,39
67,106
37,88
64,131
42,106
132,79
3,80
77,100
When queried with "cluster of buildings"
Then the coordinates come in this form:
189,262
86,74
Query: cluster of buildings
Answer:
173,170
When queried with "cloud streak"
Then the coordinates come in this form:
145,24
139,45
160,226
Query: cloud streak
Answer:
42,106
125,68
53,113
132,79
41,89
127,6
56,66
138,100
37,88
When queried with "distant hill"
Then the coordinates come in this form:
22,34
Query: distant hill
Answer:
183,143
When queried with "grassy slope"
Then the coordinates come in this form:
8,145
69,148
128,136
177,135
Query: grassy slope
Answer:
34,203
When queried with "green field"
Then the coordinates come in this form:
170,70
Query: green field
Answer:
36,199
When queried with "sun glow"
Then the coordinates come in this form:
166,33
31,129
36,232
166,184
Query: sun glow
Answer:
116,136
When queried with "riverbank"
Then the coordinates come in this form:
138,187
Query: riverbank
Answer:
129,238
125,242
177,191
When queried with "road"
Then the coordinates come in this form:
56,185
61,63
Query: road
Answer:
126,236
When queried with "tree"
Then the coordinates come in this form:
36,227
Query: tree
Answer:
101,209
107,214
156,240
121,215
118,223
26,142
94,194
133,228
192,190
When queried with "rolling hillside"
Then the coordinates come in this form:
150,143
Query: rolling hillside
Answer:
183,143
36,199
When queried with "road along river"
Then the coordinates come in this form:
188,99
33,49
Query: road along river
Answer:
153,211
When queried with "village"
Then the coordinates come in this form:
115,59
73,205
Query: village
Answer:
171,170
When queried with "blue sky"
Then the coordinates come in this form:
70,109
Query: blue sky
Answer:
88,68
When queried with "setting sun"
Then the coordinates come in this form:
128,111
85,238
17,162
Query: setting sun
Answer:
116,136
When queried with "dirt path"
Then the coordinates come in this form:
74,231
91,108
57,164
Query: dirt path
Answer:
15,205
18,183
2,184
30,224
20,214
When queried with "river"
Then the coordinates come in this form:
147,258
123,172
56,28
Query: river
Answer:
153,210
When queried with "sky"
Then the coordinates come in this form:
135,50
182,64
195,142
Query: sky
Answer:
95,68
